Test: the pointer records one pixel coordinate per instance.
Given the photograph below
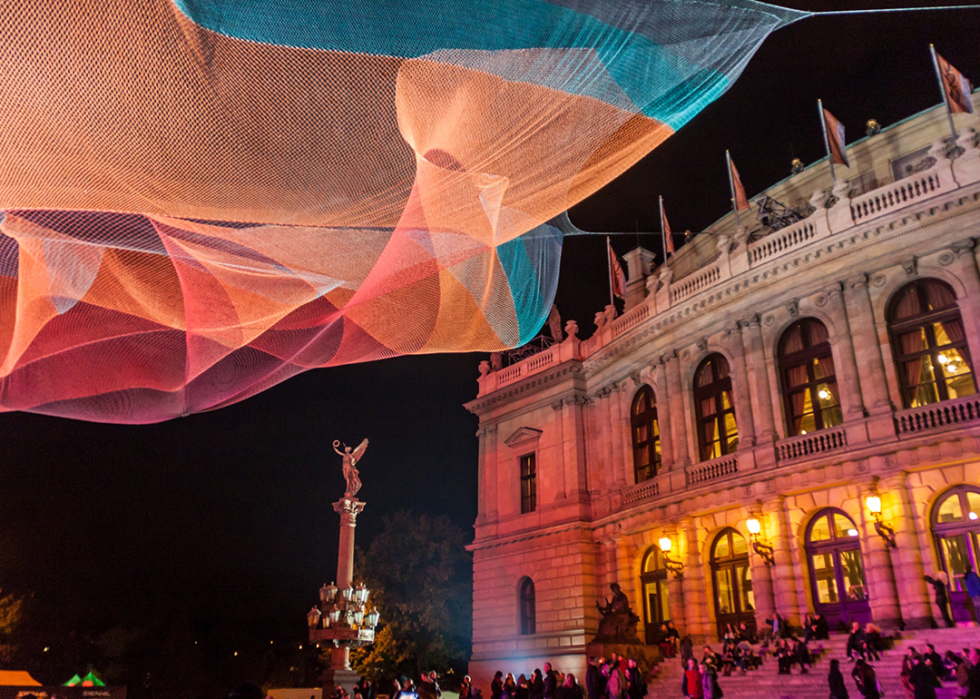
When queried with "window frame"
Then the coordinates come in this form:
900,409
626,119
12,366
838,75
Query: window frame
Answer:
715,390
805,357
925,321
649,419
528,468
526,607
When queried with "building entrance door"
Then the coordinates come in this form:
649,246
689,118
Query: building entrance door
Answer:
833,546
955,528
732,575
656,598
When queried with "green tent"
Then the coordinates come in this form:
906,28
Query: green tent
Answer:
90,680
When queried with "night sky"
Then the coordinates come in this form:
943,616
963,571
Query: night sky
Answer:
228,513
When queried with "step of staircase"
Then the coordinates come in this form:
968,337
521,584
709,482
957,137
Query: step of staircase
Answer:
767,683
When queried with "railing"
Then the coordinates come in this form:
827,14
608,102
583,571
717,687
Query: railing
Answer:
511,373
627,321
641,491
811,444
541,359
878,201
775,243
692,284
936,415
710,470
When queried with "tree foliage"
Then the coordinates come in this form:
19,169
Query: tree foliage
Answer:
11,613
421,579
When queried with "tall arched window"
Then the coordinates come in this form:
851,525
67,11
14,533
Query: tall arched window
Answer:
929,344
833,547
809,382
526,606
732,574
646,434
656,597
717,431
956,530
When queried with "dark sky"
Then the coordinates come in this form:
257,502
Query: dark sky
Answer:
229,512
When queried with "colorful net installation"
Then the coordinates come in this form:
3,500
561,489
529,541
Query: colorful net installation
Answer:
201,199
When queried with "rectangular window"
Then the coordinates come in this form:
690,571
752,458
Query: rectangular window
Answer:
529,484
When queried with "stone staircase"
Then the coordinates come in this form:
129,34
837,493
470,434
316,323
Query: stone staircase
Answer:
766,683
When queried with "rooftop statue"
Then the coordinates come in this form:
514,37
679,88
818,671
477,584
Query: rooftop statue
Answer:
351,459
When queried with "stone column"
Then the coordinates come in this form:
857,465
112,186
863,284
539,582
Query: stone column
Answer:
847,373
913,595
759,378
490,473
741,394
765,602
626,390
664,417
698,622
965,267
878,570
574,447
559,450
784,573
617,474
675,389
348,508
867,349
481,476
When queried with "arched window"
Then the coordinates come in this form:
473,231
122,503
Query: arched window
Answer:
525,604
833,547
734,599
646,434
656,597
717,432
809,382
956,530
929,344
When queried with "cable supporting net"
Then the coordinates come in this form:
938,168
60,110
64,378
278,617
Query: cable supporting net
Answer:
203,198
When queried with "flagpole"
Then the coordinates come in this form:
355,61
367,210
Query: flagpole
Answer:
942,89
609,265
731,186
663,229
826,142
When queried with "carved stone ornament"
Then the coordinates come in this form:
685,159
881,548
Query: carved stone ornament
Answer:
962,247
348,508
793,306
821,300
725,244
703,344
911,266
571,329
769,320
879,280
753,321
818,200
946,258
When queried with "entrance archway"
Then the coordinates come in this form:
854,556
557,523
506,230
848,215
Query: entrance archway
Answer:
732,576
955,529
837,581
656,597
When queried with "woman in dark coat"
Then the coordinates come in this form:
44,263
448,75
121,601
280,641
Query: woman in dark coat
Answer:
497,686
942,595
866,679
838,690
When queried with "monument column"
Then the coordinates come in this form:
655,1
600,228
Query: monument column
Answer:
348,507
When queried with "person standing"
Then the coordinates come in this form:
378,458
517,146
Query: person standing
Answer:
497,686
637,688
710,688
550,682
972,582
691,682
939,588
616,686
866,680
838,690
593,681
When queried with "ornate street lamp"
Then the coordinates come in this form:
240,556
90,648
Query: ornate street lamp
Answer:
313,617
884,531
760,547
675,567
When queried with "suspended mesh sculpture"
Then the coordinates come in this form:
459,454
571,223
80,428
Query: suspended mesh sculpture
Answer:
199,200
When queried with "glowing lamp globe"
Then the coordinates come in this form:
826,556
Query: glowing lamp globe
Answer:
372,618
665,544
313,617
874,504
753,525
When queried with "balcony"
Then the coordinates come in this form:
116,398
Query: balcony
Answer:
813,444
937,416
641,491
711,470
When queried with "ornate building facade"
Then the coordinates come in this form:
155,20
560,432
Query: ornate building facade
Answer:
781,420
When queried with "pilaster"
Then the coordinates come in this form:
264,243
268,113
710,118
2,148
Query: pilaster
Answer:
965,267
765,602
906,558
698,622
675,388
867,352
784,570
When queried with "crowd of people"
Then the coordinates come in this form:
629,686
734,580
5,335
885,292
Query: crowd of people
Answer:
616,678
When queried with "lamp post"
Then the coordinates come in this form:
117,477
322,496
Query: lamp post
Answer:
674,566
884,531
761,548
343,619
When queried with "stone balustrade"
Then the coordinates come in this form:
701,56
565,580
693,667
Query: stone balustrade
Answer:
710,470
937,416
812,444
642,491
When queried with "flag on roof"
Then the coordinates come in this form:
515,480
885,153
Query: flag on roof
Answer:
617,278
665,228
956,87
836,142
741,200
